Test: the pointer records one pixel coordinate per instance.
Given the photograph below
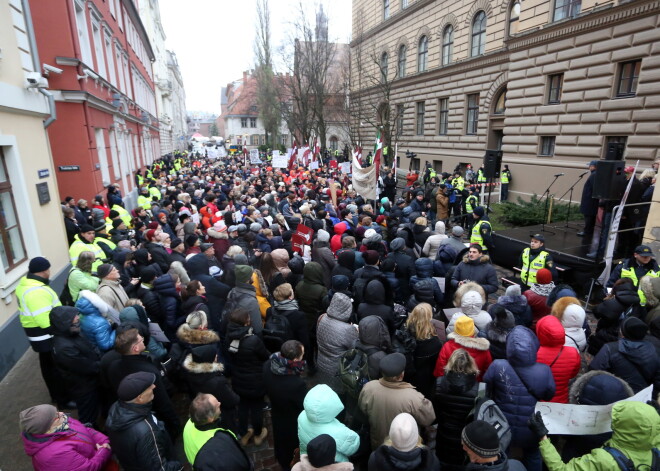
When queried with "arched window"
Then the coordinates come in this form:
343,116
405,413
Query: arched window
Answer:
478,34
383,66
514,17
334,143
422,53
500,102
402,61
447,44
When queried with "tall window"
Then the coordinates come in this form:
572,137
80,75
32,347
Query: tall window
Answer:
383,66
547,145
514,17
83,35
98,48
399,120
244,122
472,114
253,122
402,61
107,39
554,88
12,248
386,9
628,78
447,44
500,103
443,105
334,143
566,9
422,53
478,34
404,4
420,118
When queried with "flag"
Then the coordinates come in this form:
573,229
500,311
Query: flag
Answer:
306,153
245,150
317,150
294,154
396,157
378,152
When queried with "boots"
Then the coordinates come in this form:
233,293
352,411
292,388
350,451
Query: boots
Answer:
246,438
258,439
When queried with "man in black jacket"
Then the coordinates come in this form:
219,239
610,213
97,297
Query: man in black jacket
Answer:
216,292
139,441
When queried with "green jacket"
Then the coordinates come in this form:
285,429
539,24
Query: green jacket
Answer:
311,292
80,280
636,431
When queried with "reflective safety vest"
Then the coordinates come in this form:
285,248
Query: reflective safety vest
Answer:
475,237
504,177
432,174
194,439
140,179
481,178
78,247
528,275
642,296
144,202
155,192
459,183
35,301
123,214
148,174
470,203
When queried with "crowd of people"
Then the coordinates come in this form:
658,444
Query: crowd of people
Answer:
373,344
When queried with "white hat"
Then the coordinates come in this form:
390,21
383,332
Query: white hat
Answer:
403,432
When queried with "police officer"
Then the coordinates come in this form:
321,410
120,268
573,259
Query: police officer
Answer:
481,176
505,179
481,230
640,264
471,202
533,258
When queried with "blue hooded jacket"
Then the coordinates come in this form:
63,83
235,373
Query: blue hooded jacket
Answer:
93,325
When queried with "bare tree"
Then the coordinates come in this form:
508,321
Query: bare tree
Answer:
267,102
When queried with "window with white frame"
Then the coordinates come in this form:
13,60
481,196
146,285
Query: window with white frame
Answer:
479,34
386,9
112,138
120,71
83,34
112,73
422,53
12,247
447,44
103,156
127,80
514,17
98,48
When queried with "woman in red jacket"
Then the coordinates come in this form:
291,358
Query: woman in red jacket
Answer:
464,336
563,361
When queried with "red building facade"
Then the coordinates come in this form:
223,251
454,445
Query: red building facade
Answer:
107,124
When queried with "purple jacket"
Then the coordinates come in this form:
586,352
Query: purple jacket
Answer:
73,449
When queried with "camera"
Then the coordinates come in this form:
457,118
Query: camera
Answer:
51,68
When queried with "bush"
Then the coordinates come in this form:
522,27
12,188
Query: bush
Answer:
529,213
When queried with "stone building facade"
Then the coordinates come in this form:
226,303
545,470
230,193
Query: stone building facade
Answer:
549,82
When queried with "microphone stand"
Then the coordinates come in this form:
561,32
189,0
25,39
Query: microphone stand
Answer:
570,197
546,195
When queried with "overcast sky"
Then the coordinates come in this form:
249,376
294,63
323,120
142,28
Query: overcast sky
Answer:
213,39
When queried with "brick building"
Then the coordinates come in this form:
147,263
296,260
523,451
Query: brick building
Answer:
107,125
549,82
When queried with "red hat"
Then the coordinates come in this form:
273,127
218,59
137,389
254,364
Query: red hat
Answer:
380,219
543,276
153,225
629,169
151,233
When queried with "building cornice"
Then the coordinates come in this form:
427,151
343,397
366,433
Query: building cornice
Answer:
394,18
139,27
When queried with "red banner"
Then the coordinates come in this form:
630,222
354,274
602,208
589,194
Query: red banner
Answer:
302,237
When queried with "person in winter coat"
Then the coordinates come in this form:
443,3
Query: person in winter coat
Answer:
424,271
135,315
430,248
564,362
138,440
286,305
94,322
195,331
248,354
635,431
53,440
322,254
286,391
321,407
80,277
571,314
148,296
296,265
471,306
421,231
311,291
405,265
482,446
217,235
261,291
320,456
594,388
377,302
425,331
650,288
228,263
110,289
516,303
631,358
345,265
403,449
465,336
244,295
453,401
537,295
216,292
442,203
335,336
194,298
516,384
77,360
167,287
497,331
476,267
157,251
374,340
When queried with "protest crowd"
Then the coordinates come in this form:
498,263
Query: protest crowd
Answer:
371,331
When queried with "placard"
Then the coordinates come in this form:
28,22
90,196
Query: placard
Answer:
345,167
300,238
314,165
254,156
279,160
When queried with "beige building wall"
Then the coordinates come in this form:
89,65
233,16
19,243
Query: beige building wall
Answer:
588,50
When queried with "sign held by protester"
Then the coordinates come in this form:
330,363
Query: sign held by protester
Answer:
279,160
345,167
254,156
300,238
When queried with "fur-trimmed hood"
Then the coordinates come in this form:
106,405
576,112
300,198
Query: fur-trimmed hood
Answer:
464,288
259,283
199,368
476,343
213,234
483,259
600,384
650,286
561,304
196,337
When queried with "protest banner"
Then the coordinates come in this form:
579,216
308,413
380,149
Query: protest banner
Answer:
300,238
345,167
254,156
279,160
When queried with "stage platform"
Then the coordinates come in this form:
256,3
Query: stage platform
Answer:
567,249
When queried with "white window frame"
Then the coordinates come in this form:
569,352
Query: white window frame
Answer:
103,156
98,47
83,33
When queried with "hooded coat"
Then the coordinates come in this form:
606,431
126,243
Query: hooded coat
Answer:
477,348
571,314
480,271
376,304
159,255
322,254
170,304
624,300
517,383
93,325
216,292
345,265
424,271
431,245
311,292
519,307
471,304
322,405
564,362
220,241
405,269
74,448
496,332
374,340
650,286
247,362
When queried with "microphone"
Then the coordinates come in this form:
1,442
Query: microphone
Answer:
559,175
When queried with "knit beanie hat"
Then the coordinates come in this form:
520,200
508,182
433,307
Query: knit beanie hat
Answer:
147,275
243,273
321,451
403,432
369,233
116,223
457,231
634,329
85,228
479,211
464,326
340,283
37,420
150,234
543,276
513,290
370,257
397,244
471,303
191,240
481,437
220,226
240,259
323,235
104,270
38,264
255,227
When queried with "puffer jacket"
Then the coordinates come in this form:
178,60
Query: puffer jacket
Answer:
334,336
322,405
74,448
405,269
430,248
216,292
322,254
388,458
650,286
471,305
423,292
374,340
563,361
170,305
190,338
477,348
496,332
311,292
138,316
571,314
517,383
205,376
424,271
480,271
377,304
220,241
519,307
93,325
150,301
247,362
261,291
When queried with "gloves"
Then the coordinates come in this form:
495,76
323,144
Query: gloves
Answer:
537,427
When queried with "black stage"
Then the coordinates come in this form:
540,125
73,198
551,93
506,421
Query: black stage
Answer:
567,249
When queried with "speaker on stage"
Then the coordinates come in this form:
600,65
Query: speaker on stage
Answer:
492,163
615,151
610,180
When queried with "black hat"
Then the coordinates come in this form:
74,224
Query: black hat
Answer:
481,437
644,250
479,211
321,450
147,275
104,270
135,384
205,246
634,329
539,237
191,240
38,264
393,364
86,228
116,223
174,243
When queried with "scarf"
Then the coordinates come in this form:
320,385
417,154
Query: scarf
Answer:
282,366
543,290
287,305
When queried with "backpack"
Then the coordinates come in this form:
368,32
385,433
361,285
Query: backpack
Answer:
354,371
486,409
277,330
65,296
404,342
626,464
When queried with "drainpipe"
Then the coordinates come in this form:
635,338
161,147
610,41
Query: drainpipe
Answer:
51,102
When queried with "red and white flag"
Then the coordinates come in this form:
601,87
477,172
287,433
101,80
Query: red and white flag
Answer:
378,153
294,154
317,150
